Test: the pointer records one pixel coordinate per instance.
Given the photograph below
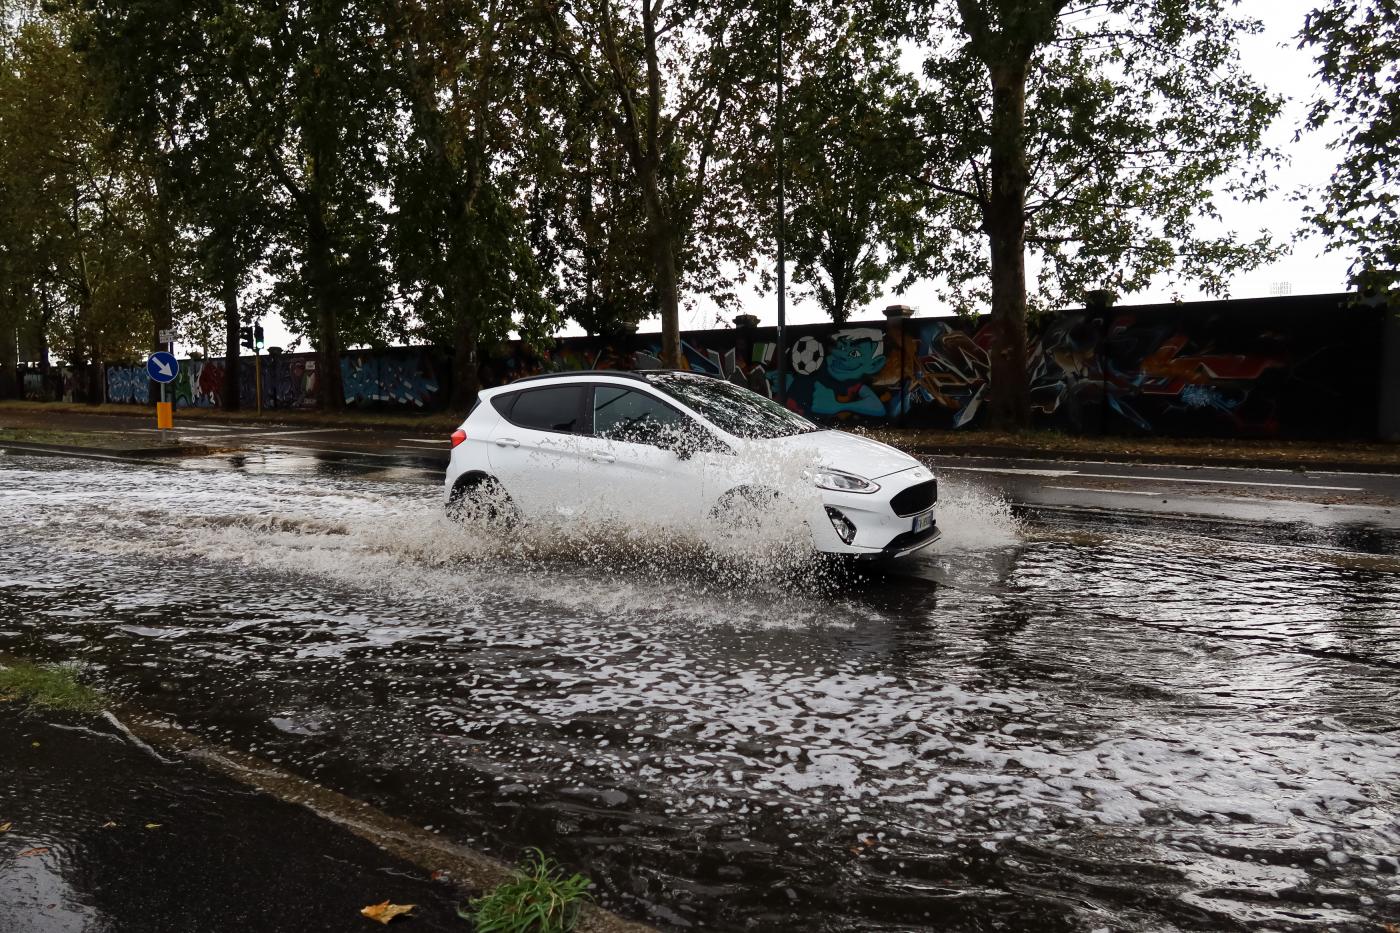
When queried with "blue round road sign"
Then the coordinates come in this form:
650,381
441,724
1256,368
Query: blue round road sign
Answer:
163,367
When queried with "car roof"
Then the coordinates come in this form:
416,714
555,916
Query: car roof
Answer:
636,374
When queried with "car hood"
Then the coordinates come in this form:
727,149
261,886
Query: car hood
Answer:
849,452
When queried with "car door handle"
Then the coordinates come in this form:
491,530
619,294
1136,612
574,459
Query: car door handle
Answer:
507,442
602,458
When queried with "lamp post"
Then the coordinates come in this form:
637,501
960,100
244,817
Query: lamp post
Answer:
782,218
1098,301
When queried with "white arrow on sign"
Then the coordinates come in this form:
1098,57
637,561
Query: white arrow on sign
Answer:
160,365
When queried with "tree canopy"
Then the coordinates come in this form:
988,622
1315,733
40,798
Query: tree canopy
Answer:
381,170
1357,45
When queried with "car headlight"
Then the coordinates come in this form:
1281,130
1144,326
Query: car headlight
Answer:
843,482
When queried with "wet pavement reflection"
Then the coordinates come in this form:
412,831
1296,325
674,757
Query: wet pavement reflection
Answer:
1063,720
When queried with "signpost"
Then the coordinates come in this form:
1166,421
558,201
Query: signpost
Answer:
163,368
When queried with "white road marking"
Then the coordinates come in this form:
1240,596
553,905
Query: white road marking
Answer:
347,453
1223,482
437,441
1056,474
286,431
1014,470
1113,492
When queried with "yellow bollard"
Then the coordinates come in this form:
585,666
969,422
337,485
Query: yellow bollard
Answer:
165,416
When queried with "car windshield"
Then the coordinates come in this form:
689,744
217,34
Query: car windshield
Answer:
732,408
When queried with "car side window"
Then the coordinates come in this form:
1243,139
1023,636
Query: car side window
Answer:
555,408
621,414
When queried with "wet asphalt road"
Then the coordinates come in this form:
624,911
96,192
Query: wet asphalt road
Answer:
1072,716
105,838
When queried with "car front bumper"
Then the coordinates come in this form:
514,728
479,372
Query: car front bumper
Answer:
879,532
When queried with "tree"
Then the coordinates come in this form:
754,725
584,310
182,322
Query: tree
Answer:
594,224
1096,135
74,220
312,73
675,81
176,98
1357,44
469,77
852,155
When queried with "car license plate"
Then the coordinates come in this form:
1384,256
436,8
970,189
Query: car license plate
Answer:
923,521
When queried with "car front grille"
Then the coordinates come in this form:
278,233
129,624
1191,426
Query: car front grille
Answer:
915,499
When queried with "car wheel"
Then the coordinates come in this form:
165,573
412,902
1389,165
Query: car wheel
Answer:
482,500
741,512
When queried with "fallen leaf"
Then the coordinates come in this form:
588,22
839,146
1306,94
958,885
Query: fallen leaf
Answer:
109,825
385,911
37,850
438,875
153,826
5,827
33,744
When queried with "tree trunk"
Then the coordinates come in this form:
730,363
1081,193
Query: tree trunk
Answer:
229,399
330,393
466,367
93,391
663,257
1010,400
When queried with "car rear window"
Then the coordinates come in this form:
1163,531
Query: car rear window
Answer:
555,408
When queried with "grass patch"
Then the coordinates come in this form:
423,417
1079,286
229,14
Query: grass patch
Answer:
537,899
48,686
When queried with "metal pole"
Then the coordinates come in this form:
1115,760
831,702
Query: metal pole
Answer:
257,378
782,221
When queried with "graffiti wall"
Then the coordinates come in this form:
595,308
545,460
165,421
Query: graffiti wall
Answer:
128,384
1304,366
399,377
1297,366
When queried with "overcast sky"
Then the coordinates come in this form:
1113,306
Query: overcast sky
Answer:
1275,60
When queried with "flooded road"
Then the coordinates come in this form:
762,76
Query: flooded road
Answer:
1059,720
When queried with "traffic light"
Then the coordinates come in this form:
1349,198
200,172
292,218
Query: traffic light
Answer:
247,337
258,342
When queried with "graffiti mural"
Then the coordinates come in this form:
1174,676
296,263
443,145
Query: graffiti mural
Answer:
128,384
400,377
1294,366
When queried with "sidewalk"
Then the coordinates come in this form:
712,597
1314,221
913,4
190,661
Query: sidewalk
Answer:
81,420
120,820
99,833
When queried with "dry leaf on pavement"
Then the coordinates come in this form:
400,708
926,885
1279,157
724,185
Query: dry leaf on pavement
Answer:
37,850
385,912
5,827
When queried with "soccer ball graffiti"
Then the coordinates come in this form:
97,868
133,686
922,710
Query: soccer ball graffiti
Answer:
807,355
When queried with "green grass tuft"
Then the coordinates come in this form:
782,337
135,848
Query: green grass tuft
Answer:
537,899
48,686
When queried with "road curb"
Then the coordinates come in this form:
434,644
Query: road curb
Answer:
119,453
471,869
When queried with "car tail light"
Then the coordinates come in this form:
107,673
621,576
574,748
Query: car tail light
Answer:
458,436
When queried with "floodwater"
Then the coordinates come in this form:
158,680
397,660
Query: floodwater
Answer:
1057,722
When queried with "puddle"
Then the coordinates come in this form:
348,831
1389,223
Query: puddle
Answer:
1050,721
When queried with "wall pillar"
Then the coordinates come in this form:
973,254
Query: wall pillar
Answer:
1388,425
898,349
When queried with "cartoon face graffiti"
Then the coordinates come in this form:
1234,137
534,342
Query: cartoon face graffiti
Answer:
856,353
838,383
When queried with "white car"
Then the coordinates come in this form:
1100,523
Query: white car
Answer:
677,449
